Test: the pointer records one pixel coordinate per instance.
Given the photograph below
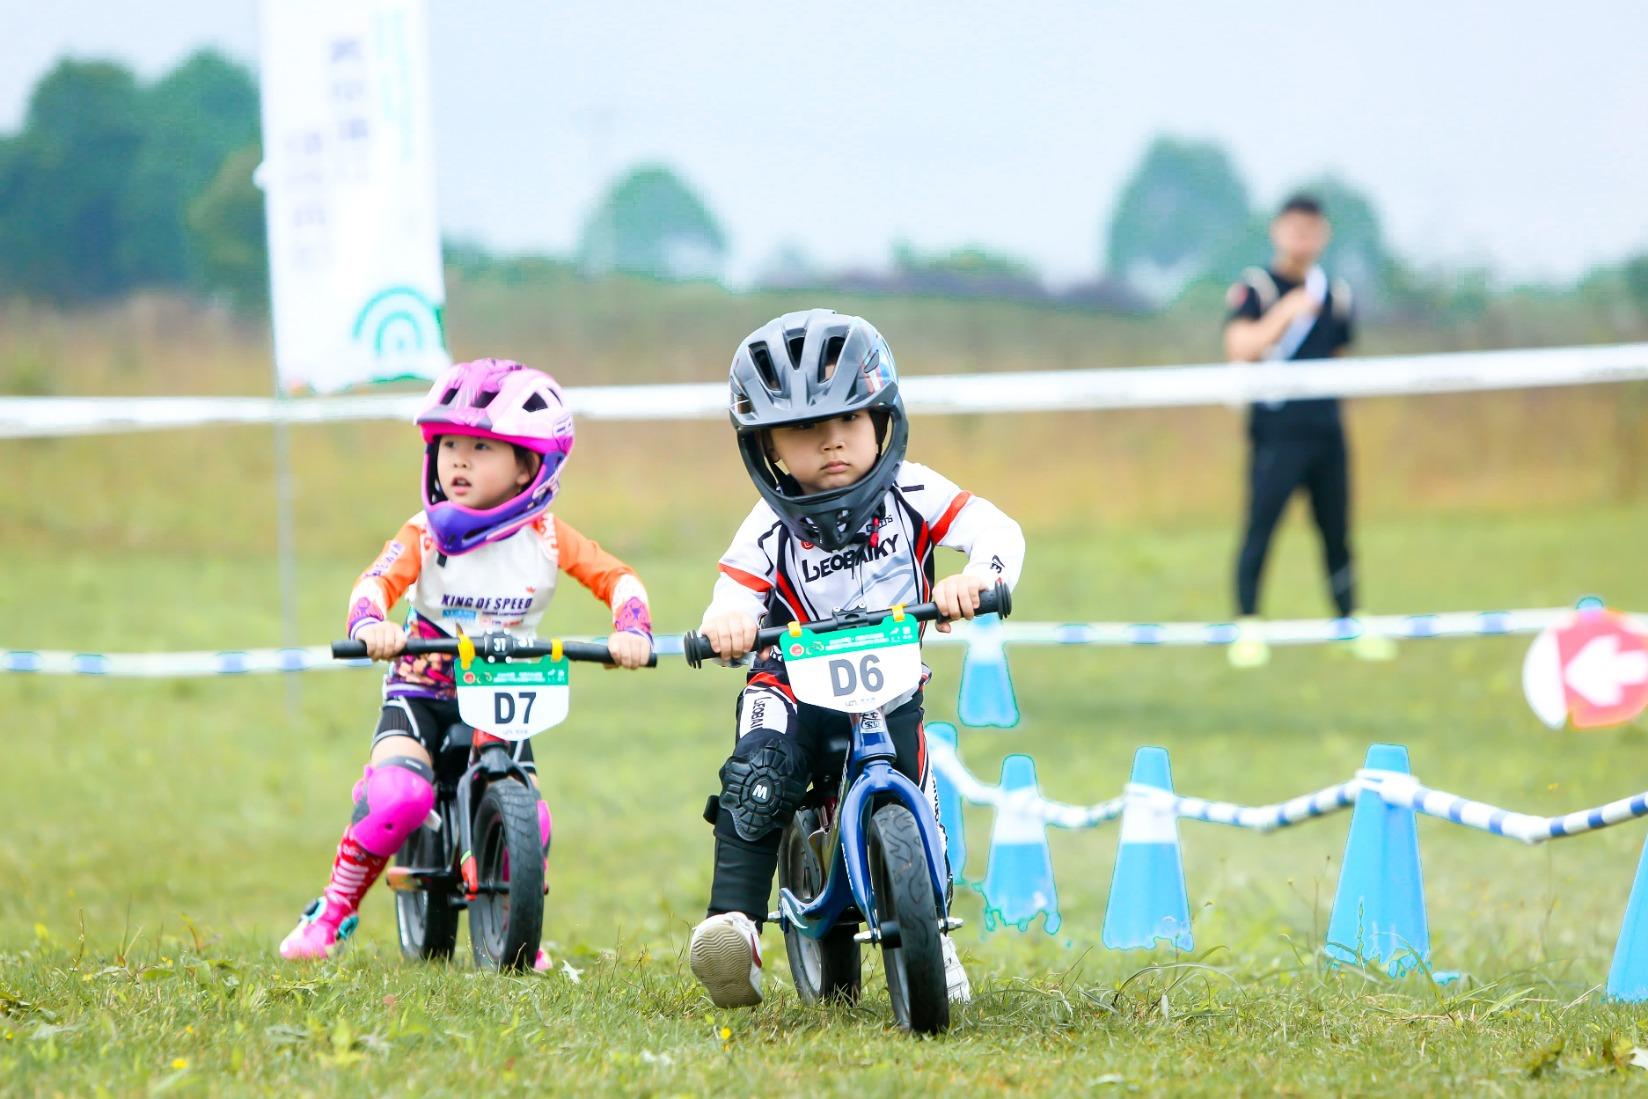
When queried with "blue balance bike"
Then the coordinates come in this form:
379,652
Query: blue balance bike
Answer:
872,855
480,850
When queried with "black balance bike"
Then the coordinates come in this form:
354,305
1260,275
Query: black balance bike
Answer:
480,849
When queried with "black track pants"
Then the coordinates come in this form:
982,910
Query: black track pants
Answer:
1278,467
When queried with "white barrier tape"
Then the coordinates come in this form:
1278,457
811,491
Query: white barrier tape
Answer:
1246,383
1036,391
1101,634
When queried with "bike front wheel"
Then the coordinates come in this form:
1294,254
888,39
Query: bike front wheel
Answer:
908,915
826,968
506,919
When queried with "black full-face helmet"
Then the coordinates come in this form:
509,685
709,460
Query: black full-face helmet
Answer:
809,366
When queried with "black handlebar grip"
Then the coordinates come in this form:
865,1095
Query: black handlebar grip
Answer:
696,648
998,600
348,650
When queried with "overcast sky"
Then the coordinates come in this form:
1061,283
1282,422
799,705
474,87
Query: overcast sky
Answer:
1508,133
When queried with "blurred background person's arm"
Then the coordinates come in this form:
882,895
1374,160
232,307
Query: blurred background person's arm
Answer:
1249,334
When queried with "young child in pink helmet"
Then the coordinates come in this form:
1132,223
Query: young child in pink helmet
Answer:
484,554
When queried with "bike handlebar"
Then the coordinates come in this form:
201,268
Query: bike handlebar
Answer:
504,645
998,600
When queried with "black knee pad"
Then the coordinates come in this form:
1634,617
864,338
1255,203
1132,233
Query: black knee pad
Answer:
763,782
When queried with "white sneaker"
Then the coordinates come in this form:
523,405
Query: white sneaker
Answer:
726,958
960,989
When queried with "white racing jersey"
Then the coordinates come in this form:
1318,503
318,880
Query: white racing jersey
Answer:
776,577
502,585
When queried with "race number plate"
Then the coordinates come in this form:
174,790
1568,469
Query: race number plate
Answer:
516,699
856,670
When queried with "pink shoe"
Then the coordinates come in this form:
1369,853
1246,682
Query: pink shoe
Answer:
317,934
541,963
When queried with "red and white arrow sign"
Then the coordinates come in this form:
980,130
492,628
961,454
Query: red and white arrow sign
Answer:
1591,670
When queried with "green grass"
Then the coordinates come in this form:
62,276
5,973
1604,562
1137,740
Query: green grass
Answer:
161,836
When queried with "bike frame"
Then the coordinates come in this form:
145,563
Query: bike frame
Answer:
869,778
491,763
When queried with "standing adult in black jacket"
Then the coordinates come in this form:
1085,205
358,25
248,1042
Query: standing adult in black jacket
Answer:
1292,311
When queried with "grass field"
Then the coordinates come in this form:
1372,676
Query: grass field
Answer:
159,837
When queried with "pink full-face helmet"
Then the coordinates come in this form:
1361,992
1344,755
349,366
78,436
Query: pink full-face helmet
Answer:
493,399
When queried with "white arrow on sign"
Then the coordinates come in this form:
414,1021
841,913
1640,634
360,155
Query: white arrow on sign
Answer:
1599,671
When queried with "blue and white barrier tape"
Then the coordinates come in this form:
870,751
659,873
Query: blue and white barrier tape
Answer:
947,766
1259,818
1100,634
1398,790
1305,631
170,665
1405,791
183,665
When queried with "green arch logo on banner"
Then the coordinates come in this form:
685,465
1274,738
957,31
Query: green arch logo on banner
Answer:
399,321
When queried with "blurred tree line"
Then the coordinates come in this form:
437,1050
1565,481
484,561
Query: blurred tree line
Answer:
112,186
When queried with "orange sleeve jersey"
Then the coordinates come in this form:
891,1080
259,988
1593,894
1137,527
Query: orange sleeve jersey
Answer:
503,585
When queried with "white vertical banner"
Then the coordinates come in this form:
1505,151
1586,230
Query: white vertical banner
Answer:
348,177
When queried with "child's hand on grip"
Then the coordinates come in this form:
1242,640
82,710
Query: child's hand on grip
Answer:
629,650
383,640
732,634
958,597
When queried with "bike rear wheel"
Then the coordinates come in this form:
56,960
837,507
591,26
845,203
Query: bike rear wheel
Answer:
506,919
427,920
908,915
826,968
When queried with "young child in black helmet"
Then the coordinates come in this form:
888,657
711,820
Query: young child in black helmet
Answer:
844,522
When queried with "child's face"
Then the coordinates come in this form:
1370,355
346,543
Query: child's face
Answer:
1300,237
826,454
479,473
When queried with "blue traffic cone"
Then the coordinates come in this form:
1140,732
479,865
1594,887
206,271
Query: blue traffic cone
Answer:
950,818
1018,882
987,697
1628,975
1379,909
1147,891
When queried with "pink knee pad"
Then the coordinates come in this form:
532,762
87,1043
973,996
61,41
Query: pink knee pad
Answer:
391,802
546,823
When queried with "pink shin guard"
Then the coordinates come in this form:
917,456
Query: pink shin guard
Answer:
546,824
391,802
